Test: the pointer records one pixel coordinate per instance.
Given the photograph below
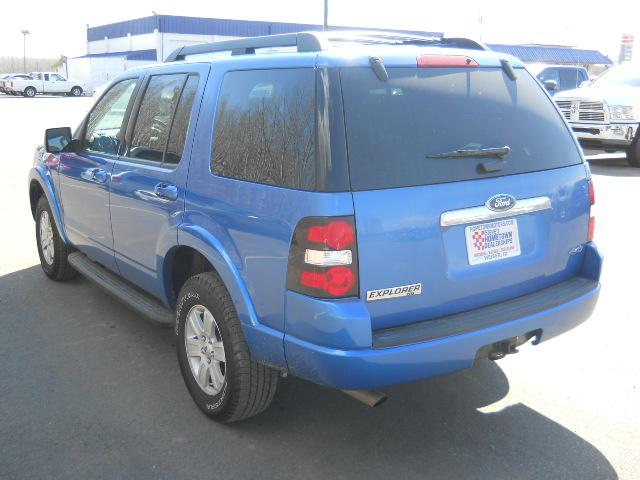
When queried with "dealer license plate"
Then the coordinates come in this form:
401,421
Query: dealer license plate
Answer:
492,241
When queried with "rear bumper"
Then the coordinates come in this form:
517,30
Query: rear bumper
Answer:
403,357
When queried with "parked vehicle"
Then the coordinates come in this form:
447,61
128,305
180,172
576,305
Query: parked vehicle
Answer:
359,217
558,78
605,115
50,83
7,77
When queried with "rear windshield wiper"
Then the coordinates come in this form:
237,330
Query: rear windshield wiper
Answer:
499,152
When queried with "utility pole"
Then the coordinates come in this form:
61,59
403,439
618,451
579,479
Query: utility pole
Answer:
24,49
325,25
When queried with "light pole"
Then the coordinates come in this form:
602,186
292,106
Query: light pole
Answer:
24,49
325,25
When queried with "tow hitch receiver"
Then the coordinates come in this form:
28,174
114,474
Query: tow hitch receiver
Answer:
501,349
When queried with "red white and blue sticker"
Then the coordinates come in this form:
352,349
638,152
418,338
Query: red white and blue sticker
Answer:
488,242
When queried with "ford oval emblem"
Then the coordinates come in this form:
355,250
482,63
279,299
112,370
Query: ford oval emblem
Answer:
501,202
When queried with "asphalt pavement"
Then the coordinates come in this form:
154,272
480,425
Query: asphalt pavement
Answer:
88,390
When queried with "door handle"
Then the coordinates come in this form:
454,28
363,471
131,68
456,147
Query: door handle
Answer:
99,175
166,191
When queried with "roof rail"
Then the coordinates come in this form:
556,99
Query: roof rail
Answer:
304,41
318,41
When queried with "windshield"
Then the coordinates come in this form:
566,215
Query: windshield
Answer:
427,126
625,75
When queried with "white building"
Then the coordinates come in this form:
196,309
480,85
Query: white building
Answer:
114,48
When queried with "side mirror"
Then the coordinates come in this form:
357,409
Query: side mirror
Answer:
550,85
57,140
584,83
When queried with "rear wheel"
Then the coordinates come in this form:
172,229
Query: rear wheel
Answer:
633,154
76,91
223,379
30,92
52,250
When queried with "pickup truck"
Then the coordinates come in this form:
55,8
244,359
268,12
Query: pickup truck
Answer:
557,78
605,114
5,78
46,82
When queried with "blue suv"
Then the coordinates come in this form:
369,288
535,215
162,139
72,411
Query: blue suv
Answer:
356,209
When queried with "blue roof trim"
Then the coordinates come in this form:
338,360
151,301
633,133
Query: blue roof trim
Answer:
211,26
131,55
549,54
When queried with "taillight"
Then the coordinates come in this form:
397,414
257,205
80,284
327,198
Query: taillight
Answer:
323,259
592,220
592,227
446,61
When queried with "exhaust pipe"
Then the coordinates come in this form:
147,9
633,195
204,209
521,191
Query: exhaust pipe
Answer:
372,398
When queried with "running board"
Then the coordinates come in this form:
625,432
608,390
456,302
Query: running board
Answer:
123,291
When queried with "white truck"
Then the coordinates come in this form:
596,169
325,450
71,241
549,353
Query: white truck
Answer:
47,83
605,114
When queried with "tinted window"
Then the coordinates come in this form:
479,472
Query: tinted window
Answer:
583,76
569,78
105,120
265,128
153,121
393,127
549,74
180,123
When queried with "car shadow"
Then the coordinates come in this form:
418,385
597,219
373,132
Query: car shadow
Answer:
614,166
116,407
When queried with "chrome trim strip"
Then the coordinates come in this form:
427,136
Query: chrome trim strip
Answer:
483,214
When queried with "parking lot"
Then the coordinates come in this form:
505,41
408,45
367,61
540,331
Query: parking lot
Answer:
90,390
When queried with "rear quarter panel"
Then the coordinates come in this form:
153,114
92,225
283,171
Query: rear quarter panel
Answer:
245,229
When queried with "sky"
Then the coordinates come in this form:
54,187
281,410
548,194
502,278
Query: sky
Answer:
586,23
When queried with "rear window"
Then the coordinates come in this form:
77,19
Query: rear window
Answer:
392,127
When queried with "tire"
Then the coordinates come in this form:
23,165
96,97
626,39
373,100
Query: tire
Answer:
633,154
76,92
246,387
52,250
30,92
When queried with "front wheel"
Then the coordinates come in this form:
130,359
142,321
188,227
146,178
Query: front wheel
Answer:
223,379
52,250
76,91
633,154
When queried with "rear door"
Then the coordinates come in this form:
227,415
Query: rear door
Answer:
48,84
147,188
421,205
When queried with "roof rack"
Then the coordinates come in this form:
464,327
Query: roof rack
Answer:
318,41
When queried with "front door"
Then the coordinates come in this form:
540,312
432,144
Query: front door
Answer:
85,175
58,84
147,188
